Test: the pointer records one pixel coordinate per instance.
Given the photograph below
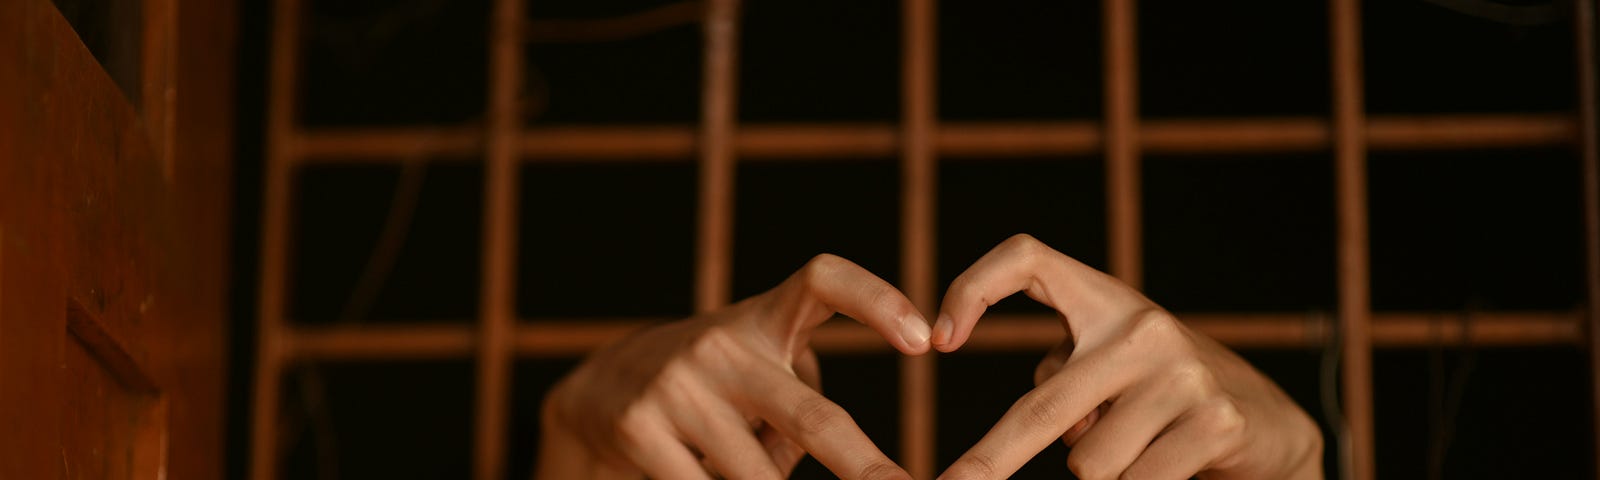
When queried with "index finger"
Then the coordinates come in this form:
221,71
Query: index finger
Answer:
1041,417
819,426
1080,293
830,284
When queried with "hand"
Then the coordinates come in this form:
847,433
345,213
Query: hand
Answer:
731,393
1134,392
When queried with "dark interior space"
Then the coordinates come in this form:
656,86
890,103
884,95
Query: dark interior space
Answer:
1451,231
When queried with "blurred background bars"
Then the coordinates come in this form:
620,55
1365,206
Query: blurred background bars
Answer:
728,140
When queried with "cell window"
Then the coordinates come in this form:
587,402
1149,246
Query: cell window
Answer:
1019,59
1239,233
381,62
1477,230
386,244
817,61
1060,201
606,240
1447,412
1427,57
788,212
1254,57
406,420
641,76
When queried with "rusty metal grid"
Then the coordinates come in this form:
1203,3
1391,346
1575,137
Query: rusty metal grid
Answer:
919,139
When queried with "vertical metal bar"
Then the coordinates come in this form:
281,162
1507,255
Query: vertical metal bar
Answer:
279,167
1589,125
1122,141
1355,316
497,308
714,248
919,170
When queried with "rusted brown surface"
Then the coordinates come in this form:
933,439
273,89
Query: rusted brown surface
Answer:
114,254
1354,284
271,298
718,97
1589,154
558,338
919,182
854,141
1122,141
497,303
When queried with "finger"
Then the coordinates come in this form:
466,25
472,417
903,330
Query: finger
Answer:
819,426
659,453
829,284
784,452
727,442
1040,417
1023,264
1189,447
1105,449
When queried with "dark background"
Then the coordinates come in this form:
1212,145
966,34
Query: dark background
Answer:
1452,231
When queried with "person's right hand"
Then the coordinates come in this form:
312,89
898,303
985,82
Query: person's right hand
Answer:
731,393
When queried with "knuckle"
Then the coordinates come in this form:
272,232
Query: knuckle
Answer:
964,287
714,346
1154,324
820,267
891,302
978,465
629,430
1194,380
1224,419
817,415
1022,242
1040,410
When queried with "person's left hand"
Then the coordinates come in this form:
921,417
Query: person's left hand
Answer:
1133,391
732,393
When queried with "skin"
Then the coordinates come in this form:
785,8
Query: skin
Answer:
738,386
1133,391
733,393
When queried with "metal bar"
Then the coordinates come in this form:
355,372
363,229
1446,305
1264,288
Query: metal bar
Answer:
1350,177
281,93
714,246
854,141
573,337
1589,125
1453,132
919,174
497,303
1122,141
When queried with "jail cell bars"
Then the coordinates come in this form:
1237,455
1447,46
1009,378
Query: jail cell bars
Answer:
919,140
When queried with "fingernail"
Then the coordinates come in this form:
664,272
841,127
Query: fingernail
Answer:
943,329
914,330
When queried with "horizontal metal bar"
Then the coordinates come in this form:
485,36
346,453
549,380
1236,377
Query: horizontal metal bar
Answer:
846,141
575,337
